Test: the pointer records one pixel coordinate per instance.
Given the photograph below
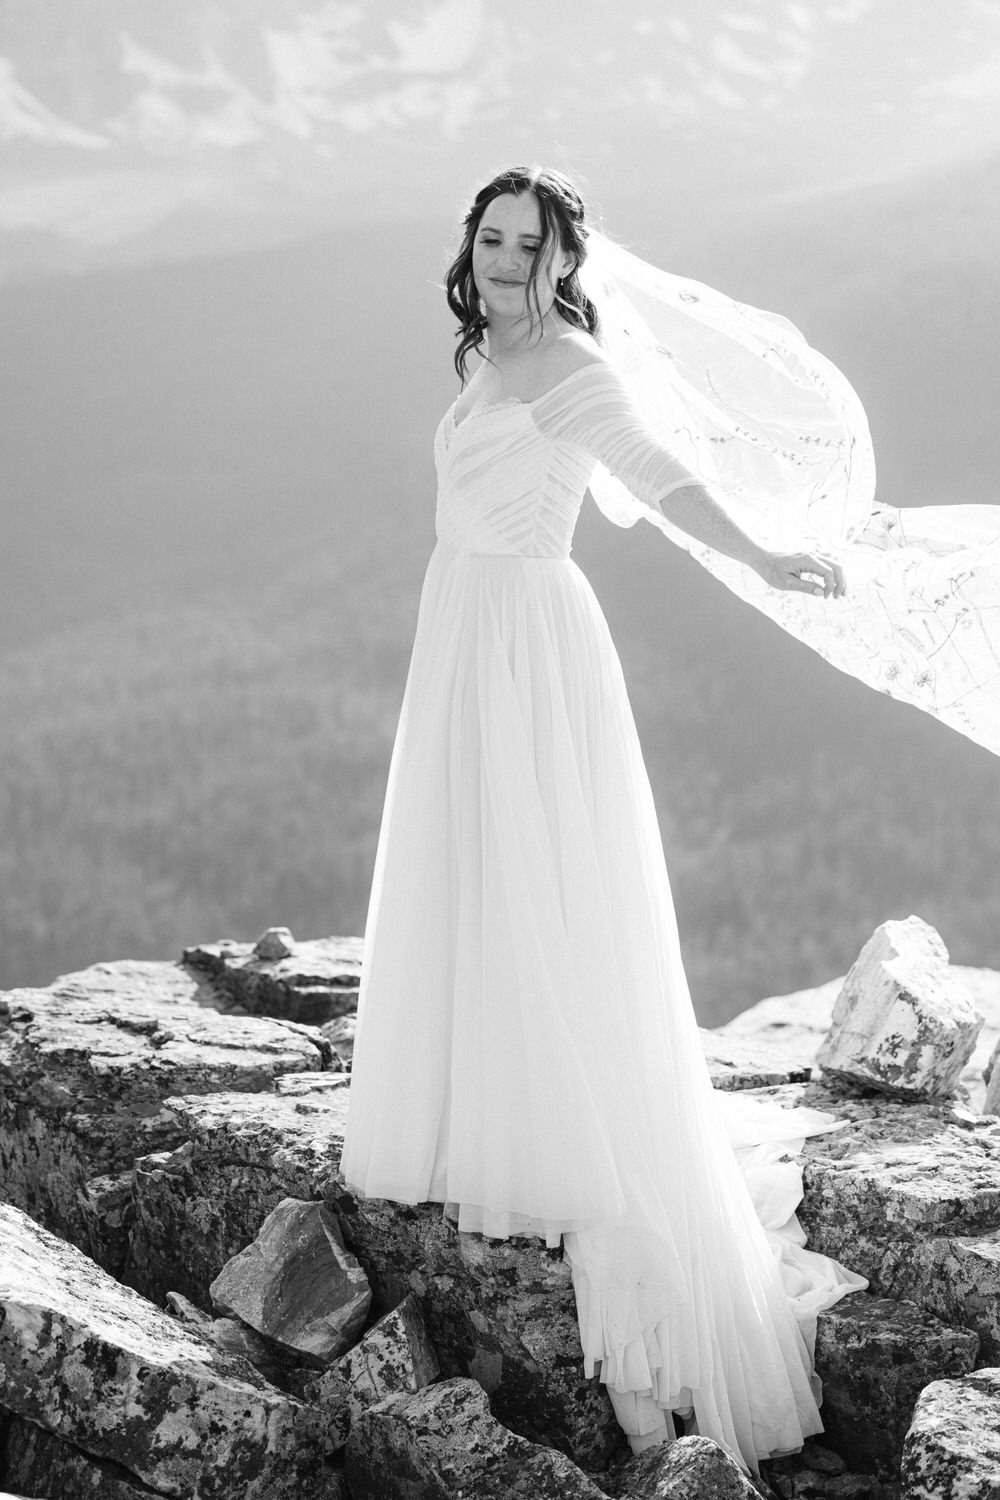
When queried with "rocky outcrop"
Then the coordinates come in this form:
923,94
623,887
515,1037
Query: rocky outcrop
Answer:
902,1022
93,1363
85,1067
952,1450
297,1284
174,1124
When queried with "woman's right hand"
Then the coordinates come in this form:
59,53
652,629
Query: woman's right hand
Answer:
816,572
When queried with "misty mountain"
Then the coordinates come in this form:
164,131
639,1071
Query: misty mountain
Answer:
219,504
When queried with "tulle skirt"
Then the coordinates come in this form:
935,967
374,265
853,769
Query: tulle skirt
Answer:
527,1053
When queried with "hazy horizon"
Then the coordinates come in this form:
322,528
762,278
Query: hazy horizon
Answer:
227,352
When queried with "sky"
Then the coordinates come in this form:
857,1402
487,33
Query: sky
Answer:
136,129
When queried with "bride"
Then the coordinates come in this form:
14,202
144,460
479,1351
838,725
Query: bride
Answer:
527,1053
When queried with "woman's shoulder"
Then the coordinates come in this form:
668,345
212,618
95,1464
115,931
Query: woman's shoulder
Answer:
573,350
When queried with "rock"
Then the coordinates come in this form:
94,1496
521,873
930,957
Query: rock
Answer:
297,1284
690,1468
304,1086
443,1442
235,1337
340,1034
315,982
902,1022
395,1356
743,1063
42,1464
909,1196
104,1370
799,1022
198,1206
105,1205
874,1357
991,1075
952,1450
85,1068
503,1312
276,943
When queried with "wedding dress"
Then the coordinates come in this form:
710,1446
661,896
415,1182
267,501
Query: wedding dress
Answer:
526,1052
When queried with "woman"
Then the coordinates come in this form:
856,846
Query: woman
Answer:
527,1053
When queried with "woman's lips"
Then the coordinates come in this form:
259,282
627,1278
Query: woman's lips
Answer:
497,282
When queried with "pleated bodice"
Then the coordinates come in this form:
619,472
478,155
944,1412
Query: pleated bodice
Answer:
512,474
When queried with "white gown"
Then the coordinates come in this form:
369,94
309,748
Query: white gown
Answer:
527,1053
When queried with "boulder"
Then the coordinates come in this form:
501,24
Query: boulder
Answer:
952,1450
690,1468
312,982
94,1363
799,1023
903,1022
501,1311
276,943
874,1357
85,1067
297,1284
442,1442
395,1356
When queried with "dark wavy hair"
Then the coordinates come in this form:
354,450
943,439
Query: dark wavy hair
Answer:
562,214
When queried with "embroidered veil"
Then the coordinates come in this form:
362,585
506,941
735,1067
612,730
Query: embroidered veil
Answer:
781,438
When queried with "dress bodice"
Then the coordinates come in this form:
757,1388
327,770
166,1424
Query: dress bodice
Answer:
512,474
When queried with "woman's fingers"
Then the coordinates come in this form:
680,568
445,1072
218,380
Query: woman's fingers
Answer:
817,573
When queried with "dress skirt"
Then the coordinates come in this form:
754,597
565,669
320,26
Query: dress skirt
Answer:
527,1052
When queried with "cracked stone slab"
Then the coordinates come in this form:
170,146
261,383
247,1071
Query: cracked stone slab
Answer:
736,1062
952,1450
394,1357
874,1357
909,1196
85,1067
903,1022
318,981
94,1363
443,1441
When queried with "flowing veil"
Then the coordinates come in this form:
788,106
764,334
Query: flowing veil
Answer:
781,438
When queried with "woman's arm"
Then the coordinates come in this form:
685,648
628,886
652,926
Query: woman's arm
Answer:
696,511
596,413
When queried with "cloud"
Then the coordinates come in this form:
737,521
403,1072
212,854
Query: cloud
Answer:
21,114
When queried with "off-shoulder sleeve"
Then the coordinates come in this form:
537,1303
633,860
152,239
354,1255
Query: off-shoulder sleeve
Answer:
592,410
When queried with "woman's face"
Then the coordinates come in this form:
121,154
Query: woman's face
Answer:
509,233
